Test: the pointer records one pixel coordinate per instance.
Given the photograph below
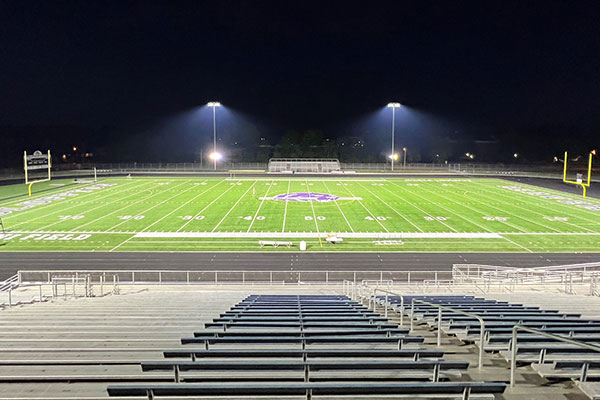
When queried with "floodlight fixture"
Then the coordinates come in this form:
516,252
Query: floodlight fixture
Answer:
516,155
394,156
593,152
393,106
215,156
214,105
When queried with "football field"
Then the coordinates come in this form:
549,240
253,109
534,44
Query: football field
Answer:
234,214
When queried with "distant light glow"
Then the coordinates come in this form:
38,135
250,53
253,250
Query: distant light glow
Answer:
393,156
214,104
74,148
404,149
471,156
516,155
593,152
394,105
215,156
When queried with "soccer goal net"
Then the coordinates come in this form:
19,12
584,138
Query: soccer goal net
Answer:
307,165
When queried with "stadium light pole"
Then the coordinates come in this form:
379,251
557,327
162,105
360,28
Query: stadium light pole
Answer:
214,156
393,106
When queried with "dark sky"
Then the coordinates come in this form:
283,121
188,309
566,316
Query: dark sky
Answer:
494,65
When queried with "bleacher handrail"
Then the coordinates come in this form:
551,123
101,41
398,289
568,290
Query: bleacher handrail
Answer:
439,321
514,347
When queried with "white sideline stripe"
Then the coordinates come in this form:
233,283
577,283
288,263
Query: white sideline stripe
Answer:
332,179
276,234
364,235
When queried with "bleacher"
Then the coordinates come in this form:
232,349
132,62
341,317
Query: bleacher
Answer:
304,165
549,357
183,342
306,345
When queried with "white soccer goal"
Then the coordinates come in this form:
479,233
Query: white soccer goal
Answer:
306,165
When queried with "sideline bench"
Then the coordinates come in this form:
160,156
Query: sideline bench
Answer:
274,243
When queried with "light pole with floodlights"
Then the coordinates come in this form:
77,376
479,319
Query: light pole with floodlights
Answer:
393,106
215,156
404,164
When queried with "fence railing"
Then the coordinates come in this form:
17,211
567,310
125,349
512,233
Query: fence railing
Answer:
489,276
126,277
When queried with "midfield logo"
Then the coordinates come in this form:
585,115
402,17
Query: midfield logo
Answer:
307,197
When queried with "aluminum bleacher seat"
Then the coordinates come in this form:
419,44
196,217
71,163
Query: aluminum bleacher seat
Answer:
270,338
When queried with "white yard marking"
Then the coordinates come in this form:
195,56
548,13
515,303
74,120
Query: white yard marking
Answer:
231,209
285,210
94,208
392,208
177,194
204,209
504,222
419,208
450,211
366,209
122,243
36,196
59,202
182,205
363,235
124,207
536,205
339,208
312,206
260,206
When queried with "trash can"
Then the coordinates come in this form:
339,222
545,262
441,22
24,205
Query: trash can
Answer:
302,245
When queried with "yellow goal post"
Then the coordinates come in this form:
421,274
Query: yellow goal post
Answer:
579,182
37,161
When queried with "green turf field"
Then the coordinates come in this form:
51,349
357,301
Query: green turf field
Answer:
202,214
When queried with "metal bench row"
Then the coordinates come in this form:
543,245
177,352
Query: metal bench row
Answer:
304,320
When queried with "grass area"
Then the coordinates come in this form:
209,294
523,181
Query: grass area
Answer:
204,214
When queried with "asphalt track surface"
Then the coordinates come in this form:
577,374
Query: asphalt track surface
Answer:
11,262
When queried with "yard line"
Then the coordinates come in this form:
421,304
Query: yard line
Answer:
312,206
122,243
489,205
545,205
259,207
201,211
47,193
419,208
338,206
95,208
62,210
122,208
231,209
517,244
183,205
505,211
156,205
392,208
286,205
366,209
450,211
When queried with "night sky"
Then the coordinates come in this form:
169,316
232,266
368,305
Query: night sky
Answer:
488,68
